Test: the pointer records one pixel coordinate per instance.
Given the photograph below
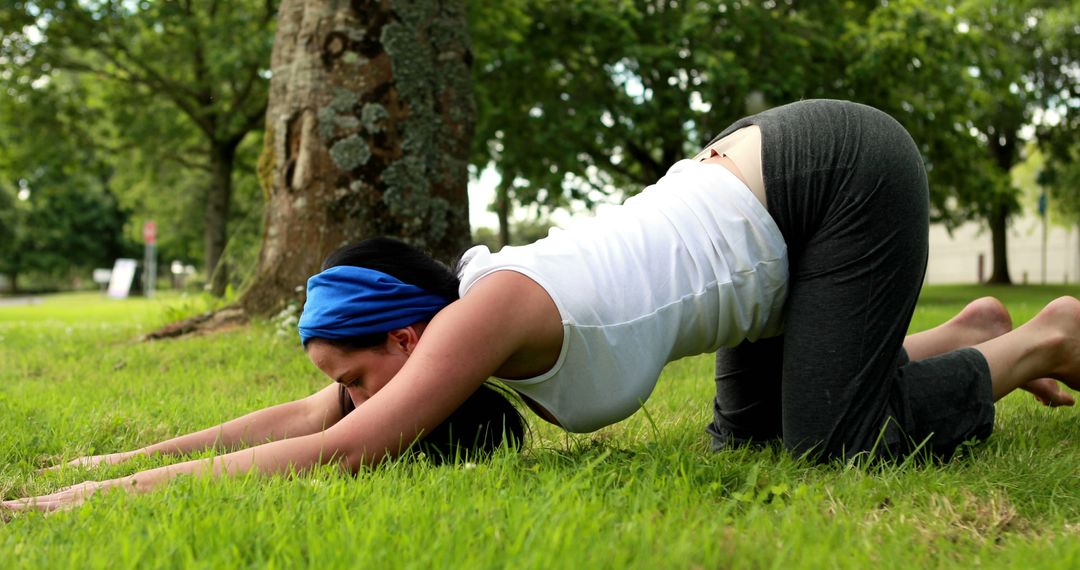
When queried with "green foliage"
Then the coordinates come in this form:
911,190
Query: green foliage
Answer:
644,494
59,216
581,100
1060,141
965,78
165,92
913,67
522,232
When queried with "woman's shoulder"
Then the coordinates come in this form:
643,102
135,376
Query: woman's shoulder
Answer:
479,263
524,309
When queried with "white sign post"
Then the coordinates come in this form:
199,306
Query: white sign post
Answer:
149,233
123,274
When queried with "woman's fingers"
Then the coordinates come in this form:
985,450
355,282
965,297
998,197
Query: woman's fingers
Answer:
61,499
85,461
43,503
77,462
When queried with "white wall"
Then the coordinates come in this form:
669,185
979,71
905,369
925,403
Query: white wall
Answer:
954,259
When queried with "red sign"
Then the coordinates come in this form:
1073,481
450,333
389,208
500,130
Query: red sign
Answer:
149,233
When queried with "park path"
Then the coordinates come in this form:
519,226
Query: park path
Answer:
18,301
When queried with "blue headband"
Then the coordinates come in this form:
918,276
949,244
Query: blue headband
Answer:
347,301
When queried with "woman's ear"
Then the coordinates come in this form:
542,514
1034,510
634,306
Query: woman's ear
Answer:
404,340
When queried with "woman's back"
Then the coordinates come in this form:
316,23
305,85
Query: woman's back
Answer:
691,264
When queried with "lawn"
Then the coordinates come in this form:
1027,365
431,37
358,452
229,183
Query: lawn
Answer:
645,493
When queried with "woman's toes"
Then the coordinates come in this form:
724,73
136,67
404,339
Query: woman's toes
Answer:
1049,392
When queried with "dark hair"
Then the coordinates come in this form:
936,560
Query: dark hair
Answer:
473,431
401,261
484,421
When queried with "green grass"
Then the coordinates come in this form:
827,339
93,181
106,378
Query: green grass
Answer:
642,493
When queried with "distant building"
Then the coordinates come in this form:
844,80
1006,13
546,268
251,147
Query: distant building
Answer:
955,258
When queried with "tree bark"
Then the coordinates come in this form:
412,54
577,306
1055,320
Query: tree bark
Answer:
218,204
367,132
999,228
1003,151
502,211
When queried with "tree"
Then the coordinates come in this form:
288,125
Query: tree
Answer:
57,214
580,100
949,73
1005,100
11,228
183,53
367,132
1059,139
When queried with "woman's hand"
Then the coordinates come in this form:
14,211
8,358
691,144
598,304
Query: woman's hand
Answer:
62,499
94,460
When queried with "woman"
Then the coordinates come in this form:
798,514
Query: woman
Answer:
795,246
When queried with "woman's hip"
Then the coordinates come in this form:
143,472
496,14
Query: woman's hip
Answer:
837,166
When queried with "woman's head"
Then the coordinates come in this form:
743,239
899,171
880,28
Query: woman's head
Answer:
370,288
365,314
364,371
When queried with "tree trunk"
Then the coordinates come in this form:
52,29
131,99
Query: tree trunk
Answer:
999,227
218,202
367,132
1003,150
502,210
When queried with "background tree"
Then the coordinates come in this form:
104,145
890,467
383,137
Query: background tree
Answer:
58,216
367,132
580,100
1059,135
203,60
1004,39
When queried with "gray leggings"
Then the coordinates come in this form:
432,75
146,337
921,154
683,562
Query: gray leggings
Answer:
846,185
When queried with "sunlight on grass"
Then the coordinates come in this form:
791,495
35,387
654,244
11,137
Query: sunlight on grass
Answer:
644,493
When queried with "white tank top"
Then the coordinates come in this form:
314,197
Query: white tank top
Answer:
691,264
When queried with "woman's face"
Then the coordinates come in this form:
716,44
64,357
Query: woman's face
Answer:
365,371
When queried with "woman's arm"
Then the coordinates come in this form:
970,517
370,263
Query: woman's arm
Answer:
308,415
305,416
461,347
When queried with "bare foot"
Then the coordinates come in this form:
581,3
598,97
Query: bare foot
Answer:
1049,393
987,318
981,320
1060,319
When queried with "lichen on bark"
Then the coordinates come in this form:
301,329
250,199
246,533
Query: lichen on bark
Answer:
420,44
415,12
264,168
339,113
350,152
372,117
369,121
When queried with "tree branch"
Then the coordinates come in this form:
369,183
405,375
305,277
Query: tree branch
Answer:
175,92
192,164
642,156
270,10
239,98
253,121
